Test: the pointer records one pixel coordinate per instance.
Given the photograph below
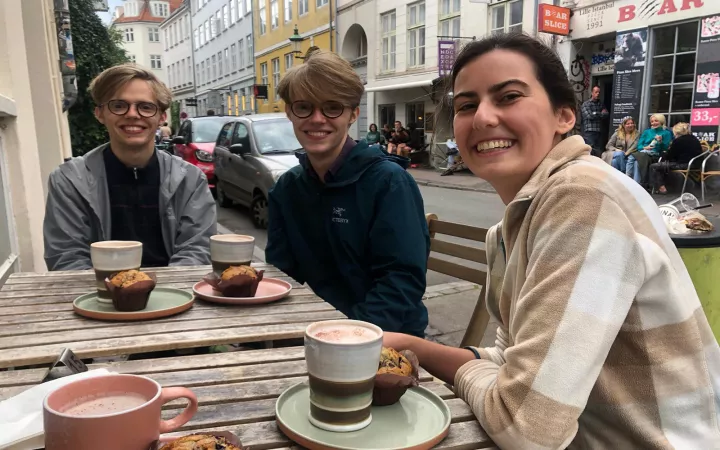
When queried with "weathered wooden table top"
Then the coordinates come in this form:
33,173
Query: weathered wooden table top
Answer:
37,319
237,391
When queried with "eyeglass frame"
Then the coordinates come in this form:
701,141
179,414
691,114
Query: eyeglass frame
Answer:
292,109
129,105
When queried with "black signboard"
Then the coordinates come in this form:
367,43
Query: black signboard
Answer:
630,55
706,98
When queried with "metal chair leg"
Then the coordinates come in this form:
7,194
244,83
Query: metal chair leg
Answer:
702,173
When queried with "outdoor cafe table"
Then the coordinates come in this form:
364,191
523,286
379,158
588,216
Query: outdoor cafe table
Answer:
37,320
237,392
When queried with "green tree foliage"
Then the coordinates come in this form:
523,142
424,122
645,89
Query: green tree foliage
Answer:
96,48
175,116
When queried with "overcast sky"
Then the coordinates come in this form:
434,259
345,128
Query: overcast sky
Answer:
108,15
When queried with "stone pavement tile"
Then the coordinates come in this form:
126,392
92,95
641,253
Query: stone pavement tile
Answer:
451,313
464,181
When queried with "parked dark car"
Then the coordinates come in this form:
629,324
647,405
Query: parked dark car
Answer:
195,142
251,153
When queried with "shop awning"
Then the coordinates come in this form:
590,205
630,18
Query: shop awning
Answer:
393,87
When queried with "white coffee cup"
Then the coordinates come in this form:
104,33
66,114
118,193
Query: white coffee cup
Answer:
109,257
231,250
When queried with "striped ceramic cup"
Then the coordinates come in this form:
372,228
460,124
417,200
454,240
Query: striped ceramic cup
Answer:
342,360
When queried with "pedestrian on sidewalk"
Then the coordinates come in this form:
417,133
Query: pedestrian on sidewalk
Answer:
593,113
602,341
349,220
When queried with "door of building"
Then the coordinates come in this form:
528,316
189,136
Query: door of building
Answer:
386,113
606,90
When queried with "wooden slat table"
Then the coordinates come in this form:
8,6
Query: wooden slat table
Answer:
37,320
237,392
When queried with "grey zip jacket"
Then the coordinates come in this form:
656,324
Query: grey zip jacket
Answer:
77,212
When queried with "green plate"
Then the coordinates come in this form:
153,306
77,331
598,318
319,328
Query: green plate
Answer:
420,420
163,302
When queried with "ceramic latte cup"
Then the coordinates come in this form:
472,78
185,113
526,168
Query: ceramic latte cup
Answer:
109,257
342,360
111,412
231,250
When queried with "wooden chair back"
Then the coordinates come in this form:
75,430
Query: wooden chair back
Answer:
480,317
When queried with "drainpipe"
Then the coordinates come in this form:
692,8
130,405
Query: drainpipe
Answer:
330,12
67,56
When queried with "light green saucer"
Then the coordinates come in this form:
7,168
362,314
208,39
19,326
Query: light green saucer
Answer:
419,421
164,301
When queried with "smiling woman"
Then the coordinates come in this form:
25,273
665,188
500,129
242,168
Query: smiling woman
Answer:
602,341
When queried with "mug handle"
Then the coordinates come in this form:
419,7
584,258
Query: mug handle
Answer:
174,393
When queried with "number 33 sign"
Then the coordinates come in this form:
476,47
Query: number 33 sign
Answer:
705,117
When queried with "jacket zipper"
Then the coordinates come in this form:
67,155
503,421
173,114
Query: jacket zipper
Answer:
135,172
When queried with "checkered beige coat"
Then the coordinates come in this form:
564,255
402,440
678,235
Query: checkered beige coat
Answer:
603,343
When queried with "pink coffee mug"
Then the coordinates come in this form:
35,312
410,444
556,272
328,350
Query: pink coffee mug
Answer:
128,429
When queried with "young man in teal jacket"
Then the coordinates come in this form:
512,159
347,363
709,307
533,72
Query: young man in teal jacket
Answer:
349,220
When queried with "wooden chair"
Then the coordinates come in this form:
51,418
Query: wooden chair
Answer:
480,317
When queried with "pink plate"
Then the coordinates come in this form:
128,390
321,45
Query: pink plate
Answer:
269,290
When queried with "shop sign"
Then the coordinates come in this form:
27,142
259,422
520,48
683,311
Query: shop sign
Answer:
554,19
630,56
608,17
446,56
705,118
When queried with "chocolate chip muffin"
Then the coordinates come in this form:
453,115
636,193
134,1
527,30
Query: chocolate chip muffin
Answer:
233,271
200,442
130,289
236,281
393,362
127,278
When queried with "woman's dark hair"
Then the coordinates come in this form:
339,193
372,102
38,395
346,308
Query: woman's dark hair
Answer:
548,67
370,128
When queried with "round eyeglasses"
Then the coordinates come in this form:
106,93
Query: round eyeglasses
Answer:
121,107
304,109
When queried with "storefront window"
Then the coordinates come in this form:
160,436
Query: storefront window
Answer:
673,71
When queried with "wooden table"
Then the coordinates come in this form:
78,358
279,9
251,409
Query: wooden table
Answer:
37,320
237,392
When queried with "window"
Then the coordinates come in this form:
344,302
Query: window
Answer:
129,35
220,64
319,3
207,69
218,23
416,34
202,72
160,9
415,113
198,73
241,54
273,14
233,11
288,10
196,38
449,18
226,61
387,21
226,18
154,34
156,61
189,71
130,9
386,113
251,55
188,27
303,7
276,76
213,58
248,7
233,57
176,33
165,33
181,29
507,18
207,31
673,71
263,19
263,74
288,61
170,76
131,58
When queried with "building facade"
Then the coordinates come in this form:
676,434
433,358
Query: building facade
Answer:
139,22
34,134
176,33
274,23
223,47
648,57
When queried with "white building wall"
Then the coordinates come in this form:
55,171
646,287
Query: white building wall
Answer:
178,57
142,48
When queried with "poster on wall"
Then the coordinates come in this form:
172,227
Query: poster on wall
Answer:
705,118
630,55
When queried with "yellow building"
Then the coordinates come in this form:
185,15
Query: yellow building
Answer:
274,22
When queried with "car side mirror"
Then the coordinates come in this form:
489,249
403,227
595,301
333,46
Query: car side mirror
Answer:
178,140
239,149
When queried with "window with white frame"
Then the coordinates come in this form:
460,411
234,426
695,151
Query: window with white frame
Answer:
176,33
129,35
416,34
171,76
218,23
303,7
250,53
220,64
207,31
319,3
248,7
202,72
226,61
207,68
288,61
155,61
130,9
196,38
233,57
154,34
241,54
160,9
198,74
188,27
181,29
233,11
449,25
263,74
387,26
131,58
274,20
263,19
226,17
189,71
506,17
276,76
287,10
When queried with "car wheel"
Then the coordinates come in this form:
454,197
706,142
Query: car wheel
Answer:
222,198
259,210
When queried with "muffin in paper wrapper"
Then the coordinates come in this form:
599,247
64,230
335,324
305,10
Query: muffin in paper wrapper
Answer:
131,298
390,387
235,286
224,440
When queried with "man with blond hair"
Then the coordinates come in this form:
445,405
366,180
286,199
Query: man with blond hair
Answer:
125,190
349,220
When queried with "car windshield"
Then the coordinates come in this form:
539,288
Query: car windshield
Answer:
275,136
207,130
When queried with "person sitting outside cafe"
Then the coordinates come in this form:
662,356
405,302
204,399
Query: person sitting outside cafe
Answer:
399,136
415,142
125,190
683,148
374,136
622,143
652,143
349,220
601,340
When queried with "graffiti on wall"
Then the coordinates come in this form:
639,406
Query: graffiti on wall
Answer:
580,80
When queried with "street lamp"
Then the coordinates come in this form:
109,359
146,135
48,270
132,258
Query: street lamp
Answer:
295,42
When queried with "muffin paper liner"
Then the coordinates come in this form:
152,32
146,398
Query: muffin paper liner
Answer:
131,298
237,286
389,387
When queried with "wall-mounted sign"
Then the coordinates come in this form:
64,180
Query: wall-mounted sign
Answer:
446,57
260,91
554,19
630,55
705,118
611,16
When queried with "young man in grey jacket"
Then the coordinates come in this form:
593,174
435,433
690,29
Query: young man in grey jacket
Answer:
125,190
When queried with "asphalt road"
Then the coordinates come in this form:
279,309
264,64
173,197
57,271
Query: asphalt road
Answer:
472,208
